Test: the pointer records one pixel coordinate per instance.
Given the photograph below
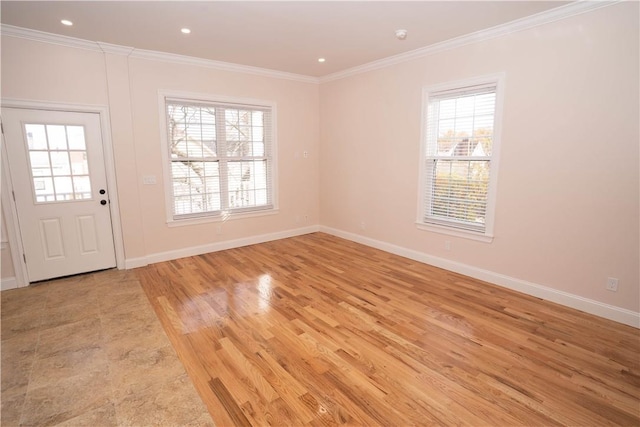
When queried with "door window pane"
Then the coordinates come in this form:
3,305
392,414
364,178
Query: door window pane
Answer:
58,159
82,187
64,189
75,134
60,163
40,163
57,137
36,137
79,165
44,189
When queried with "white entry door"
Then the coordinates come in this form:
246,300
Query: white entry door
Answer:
60,188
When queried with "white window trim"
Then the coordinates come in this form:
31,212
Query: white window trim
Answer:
163,95
482,236
222,217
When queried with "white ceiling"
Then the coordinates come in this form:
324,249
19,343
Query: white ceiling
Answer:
279,35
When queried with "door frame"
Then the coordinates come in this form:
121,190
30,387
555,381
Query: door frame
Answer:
9,209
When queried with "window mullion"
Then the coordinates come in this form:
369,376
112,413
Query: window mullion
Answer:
221,138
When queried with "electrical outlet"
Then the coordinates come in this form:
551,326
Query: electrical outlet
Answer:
363,225
305,154
447,245
612,284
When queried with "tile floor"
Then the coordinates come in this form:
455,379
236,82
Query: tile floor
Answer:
89,351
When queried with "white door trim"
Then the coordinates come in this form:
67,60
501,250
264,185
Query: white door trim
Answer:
10,214
11,218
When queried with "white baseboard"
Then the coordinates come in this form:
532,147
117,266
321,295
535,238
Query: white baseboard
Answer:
8,283
597,308
216,246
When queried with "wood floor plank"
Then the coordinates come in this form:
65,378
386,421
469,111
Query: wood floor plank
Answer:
320,331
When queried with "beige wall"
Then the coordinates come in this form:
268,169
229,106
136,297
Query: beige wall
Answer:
129,87
297,127
568,192
567,204
48,72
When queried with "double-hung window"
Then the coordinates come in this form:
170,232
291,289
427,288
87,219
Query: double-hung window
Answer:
220,157
459,157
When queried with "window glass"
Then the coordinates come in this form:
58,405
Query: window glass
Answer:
58,160
459,146
220,158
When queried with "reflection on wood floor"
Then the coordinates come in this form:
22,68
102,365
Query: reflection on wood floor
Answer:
316,330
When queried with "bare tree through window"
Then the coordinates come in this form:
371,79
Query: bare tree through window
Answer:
220,157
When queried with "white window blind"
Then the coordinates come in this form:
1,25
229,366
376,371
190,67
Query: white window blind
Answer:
220,157
459,147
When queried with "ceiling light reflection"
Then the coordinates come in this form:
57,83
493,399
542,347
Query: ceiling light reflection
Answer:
264,290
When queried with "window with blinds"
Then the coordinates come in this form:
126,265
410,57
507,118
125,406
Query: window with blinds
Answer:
459,146
220,157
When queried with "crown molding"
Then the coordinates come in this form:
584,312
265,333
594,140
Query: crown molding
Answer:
553,15
41,36
542,18
115,49
102,47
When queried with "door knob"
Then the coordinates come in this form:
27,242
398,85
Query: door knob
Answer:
102,191
103,202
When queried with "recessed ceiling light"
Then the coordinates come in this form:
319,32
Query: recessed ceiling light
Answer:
66,22
321,59
185,31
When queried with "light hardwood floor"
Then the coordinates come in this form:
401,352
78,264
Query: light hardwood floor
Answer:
316,330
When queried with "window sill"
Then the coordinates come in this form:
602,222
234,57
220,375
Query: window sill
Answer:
465,234
220,218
